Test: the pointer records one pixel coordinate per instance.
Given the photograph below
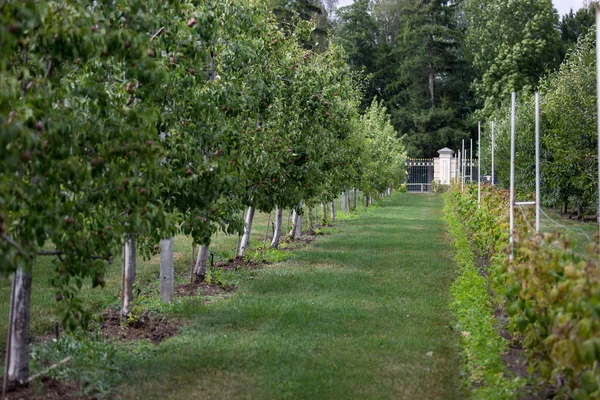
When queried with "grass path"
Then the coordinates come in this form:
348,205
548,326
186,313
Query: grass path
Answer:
353,316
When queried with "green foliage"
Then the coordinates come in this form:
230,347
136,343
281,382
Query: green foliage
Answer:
551,293
288,13
428,95
575,25
481,343
96,365
357,32
568,133
383,154
511,44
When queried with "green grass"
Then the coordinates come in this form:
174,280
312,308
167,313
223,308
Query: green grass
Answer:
44,309
481,344
360,314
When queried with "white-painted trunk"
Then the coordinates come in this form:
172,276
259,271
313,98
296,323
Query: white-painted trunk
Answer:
278,227
19,318
332,211
292,233
343,205
128,278
298,227
200,267
247,231
167,271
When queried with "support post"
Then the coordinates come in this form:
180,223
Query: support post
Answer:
462,165
537,163
493,149
513,129
479,165
471,163
166,269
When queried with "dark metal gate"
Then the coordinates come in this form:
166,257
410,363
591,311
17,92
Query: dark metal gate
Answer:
419,175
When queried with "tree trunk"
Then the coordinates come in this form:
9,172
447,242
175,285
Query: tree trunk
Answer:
332,211
200,267
343,205
298,225
128,278
292,233
166,269
19,318
355,198
366,199
278,227
247,231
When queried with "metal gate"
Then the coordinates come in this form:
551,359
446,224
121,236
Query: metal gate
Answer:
419,175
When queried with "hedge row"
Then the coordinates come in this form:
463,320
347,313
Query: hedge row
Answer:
551,294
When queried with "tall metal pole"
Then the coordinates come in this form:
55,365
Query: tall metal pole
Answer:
513,129
458,167
471,163
537,163
493,145
598,88
462,165
479,165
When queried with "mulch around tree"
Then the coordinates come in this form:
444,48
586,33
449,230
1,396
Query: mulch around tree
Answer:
235,264
147,326
48,388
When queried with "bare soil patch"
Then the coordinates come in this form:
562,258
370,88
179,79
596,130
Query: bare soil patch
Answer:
147,326
48,389
234,264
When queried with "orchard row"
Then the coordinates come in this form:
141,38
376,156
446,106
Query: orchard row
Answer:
135,120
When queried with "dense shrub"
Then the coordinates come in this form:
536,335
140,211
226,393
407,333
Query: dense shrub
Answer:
551,294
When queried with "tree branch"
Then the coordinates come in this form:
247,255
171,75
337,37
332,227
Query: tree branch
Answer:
14,244
157,33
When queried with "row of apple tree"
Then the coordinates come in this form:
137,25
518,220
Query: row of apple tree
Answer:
130,121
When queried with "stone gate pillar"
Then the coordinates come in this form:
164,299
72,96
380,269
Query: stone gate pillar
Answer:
444,169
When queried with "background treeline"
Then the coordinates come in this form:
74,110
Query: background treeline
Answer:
441,66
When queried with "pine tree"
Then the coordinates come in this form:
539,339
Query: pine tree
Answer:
428,96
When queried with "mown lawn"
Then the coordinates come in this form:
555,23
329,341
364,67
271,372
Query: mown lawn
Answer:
361,314
44,309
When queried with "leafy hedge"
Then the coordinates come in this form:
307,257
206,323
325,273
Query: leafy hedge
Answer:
472,306
551,294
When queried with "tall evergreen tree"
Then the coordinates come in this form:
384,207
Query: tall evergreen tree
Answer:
429,95
576,24
356,32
